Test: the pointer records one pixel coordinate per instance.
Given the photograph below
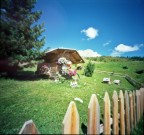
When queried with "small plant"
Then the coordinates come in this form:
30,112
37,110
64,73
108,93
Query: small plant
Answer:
61,78
125,67
89,70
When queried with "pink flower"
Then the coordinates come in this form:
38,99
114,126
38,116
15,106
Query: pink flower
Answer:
72,72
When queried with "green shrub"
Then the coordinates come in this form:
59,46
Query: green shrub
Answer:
89,69
139,71
139,130
125,67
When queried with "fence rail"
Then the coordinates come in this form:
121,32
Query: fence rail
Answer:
127,109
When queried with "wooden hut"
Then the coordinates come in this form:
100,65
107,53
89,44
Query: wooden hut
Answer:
51,60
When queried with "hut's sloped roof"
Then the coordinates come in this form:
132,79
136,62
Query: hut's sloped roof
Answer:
69,54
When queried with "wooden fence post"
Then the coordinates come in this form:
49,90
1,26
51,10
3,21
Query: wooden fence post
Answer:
115,113
107,127
93,116
29,128
142,89
131,111
141,101
71,120
127,113
134,108
122,119
137,106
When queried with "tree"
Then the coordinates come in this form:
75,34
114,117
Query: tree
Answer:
20,38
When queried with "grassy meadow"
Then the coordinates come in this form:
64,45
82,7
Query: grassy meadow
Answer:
45,101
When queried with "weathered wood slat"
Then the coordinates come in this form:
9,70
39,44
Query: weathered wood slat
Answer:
131,111
137,105
127,113
107,128
141,101
115,113
122,119
143,98
93,116
134,108
71,120
29,128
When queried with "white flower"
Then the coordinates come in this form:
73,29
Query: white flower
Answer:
62,60
73,84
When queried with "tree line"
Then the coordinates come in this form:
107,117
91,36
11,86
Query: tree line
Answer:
116,59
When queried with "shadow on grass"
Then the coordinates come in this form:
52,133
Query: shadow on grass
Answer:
24,76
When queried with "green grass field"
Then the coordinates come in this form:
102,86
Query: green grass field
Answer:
46,102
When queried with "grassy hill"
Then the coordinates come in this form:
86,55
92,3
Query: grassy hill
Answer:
45,101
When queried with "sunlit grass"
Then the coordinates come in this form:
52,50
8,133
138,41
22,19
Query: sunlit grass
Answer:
46,102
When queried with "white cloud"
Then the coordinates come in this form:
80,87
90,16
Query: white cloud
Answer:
91,33
107,43
121,48
125,48
88,53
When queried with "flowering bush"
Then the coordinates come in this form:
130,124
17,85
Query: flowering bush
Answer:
62,60
44,69
66,67
72,72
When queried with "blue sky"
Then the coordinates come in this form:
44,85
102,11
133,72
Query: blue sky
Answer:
94,27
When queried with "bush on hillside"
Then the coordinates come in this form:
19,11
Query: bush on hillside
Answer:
125,67
89,69
139,71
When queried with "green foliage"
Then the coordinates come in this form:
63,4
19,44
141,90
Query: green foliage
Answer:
139,71
139,130
61,78
89,69
125,67
115,59
20,35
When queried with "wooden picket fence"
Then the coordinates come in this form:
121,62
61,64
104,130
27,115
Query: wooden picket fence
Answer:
127,109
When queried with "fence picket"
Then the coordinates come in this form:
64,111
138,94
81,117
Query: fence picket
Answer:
93,115
137,106
122,119
134,108
71,120
107,128
143,98
131,111
115,113
127,113
141,101
29,128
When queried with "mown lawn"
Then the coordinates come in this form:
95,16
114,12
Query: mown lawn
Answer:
46,102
